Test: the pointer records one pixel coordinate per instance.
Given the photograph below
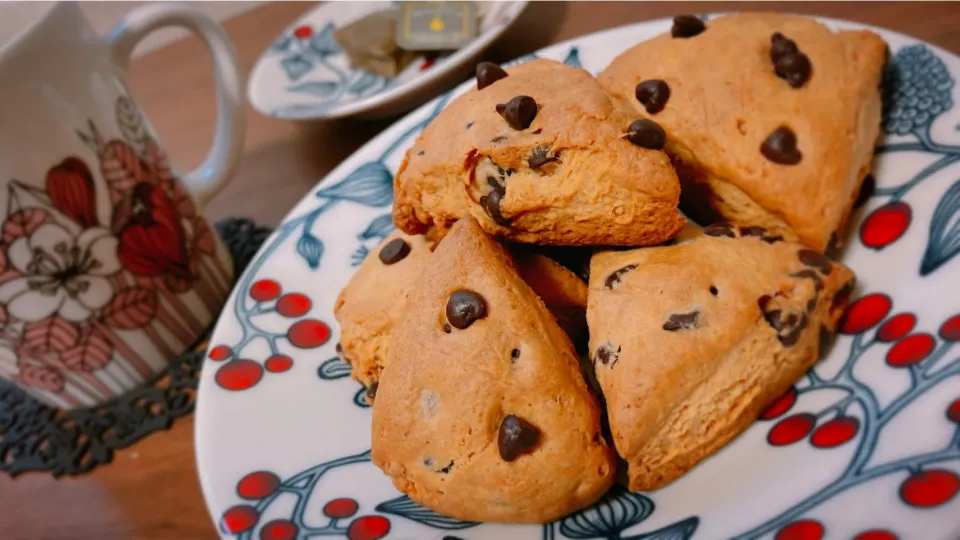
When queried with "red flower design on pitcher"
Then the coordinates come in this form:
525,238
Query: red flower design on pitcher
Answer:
60,273
152,241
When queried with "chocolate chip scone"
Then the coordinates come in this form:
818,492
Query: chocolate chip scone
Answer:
771,119
730,319
371,303
538,154
482,412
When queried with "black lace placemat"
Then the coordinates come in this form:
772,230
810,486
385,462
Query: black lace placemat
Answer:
37,437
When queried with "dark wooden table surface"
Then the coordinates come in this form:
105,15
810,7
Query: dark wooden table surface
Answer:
151,490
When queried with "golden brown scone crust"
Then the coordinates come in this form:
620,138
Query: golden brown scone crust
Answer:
370,304
725,99
675,397
600,190
442,397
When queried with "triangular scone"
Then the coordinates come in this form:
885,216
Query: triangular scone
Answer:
482,412
691,341
725,100
570,177
373,300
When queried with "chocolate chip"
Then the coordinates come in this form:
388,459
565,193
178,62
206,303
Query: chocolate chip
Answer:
646,133
498,138
372,390
514,354
491,205
772,239
606,354
446,470
339,349
713,290
653,95
447,328
614,279
395,251
774,318
539,157
833,246
790,338
682,321
867,187
795,68
469,125
811,275
781,147
517,436
420,153
488,73
720,229
538,131
843,295
686,26
816,260
753,231
781,46
427,462
464,307
519,112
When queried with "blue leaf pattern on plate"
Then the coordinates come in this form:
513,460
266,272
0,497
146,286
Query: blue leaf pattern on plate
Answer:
370,185
282,43
917,88
311,249
360,398
380,227
364,82
357,257
334,368
573,58
681,530
324,43
404,507
617,510
315,88
296,66
944,241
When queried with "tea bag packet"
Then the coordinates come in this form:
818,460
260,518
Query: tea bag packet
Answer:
370,44
436,26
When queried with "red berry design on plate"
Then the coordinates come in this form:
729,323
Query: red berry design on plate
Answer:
239,374
950,330
781,405
278,363
929,488
279,529
953,411
238,519
896,327
791,429
308,334
865,313
910,350
427,64
804,529
265,290
835,432
257,485
876,534
219,353
293,305
885,225
368,528
340,508
303,32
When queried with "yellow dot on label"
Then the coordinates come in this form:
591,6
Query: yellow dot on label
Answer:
436,24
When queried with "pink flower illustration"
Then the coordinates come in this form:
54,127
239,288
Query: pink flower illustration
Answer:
42,377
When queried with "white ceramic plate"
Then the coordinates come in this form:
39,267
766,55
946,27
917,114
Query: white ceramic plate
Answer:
305,76
868,441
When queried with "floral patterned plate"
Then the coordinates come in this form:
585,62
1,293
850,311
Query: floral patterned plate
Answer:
865,446
305,76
